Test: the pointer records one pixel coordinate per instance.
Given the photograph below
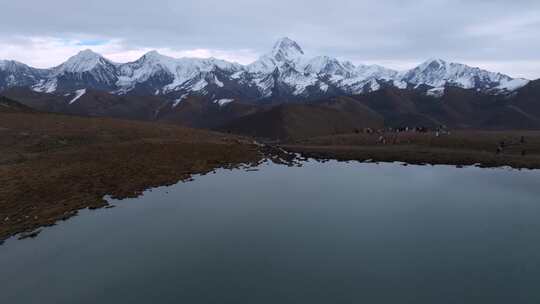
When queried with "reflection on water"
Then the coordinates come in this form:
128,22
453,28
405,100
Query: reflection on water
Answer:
324,233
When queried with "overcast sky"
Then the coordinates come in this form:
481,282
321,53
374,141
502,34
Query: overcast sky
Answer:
499,35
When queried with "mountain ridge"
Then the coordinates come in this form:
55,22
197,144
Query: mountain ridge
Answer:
283,74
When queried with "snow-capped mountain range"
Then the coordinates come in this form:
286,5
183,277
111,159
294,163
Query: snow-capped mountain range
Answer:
285,73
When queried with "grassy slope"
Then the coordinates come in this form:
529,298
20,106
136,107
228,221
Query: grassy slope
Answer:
460,148
52,165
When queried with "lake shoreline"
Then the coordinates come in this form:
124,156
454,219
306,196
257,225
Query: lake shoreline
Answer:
116,178
487,149
318,222
237,155
411,155
52,165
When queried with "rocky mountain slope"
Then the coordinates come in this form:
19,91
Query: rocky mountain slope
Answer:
283,94
392,107
456,108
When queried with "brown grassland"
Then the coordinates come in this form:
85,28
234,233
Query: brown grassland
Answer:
53,165
464,147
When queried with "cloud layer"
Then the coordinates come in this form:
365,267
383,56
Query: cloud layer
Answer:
495,34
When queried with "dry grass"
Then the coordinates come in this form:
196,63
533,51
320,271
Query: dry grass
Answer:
53,165
458,148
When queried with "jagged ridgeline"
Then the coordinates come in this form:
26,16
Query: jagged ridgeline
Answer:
285,74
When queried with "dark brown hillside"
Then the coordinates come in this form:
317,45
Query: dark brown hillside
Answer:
458,108
401,107
103,104
528,98
195,111
92,103
10,106
200,112
52,165
36,100
294,121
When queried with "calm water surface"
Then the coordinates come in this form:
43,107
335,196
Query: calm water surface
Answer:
324,233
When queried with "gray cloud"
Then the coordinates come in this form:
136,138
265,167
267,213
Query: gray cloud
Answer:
401,31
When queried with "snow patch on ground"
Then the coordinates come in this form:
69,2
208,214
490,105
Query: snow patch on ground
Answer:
400,84
223,101
78,94
218,83
374,86
237,75
436,92
201,84
324,87
46,86
177,101
513,84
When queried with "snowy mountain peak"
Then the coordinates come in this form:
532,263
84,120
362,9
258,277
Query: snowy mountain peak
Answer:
376,72
286,53
286,50
152,53
433,63
285,72
436,60
11,65
439,73
155,60
82,62
87,53
348,65
155,55
16,74
327,65
85,69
